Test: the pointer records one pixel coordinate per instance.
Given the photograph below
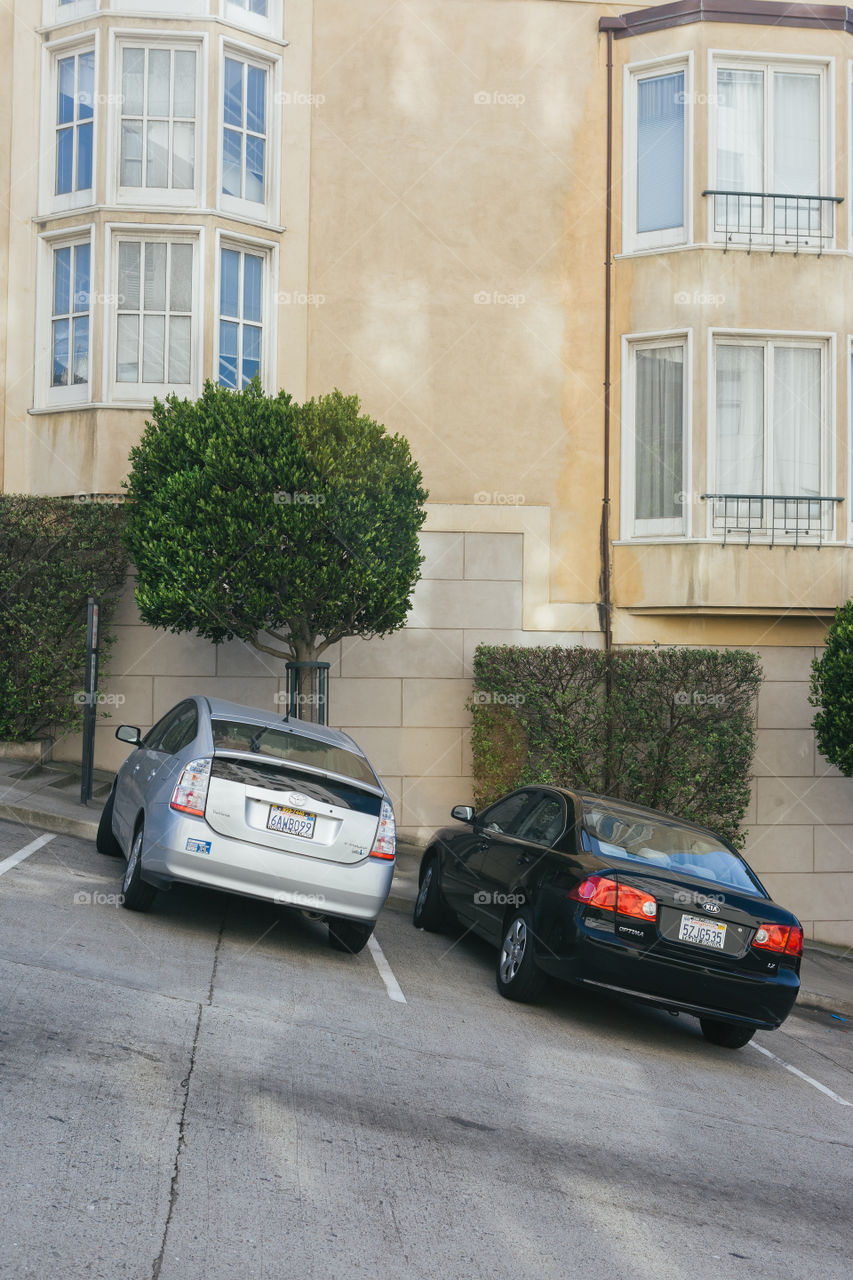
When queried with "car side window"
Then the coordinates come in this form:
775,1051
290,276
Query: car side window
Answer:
504,816
154,736
545,822
181,731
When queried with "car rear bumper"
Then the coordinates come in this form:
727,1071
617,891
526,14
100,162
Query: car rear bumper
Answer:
672,983
353,891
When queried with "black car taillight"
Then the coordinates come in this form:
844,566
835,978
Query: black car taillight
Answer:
600,891
784,938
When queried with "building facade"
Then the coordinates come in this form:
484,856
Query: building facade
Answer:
593,260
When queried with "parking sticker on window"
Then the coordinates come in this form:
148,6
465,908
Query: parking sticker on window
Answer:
198,846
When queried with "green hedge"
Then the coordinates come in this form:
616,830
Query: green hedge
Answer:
672,728
54,554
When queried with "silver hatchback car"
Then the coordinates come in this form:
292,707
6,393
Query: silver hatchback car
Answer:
230,797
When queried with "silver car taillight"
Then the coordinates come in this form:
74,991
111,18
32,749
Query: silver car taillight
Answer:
385,840
190,795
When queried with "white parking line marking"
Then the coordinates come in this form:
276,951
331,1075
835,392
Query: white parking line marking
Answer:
392,986
808,1079
8,863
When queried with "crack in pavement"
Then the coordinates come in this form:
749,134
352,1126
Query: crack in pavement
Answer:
185,1085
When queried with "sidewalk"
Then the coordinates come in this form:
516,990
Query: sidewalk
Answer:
47,798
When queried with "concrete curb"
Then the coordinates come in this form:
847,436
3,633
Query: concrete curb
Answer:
824,1004
62,824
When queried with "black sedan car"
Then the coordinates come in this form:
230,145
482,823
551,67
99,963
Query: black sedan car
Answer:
596,891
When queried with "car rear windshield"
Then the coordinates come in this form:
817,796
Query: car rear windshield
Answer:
235,735
615,832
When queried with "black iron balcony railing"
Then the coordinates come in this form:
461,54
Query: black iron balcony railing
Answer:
769,218
803,519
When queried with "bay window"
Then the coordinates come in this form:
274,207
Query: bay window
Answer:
240,331
154,340
654,444
75,110
655,181
245,181
157,148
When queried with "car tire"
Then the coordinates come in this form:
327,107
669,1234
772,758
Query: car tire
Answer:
136,895
730,1035
350,936
430,913
518,977
105,841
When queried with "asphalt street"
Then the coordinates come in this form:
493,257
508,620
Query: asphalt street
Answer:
209,1091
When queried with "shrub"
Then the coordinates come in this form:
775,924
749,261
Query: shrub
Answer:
832,692
54,554
670,728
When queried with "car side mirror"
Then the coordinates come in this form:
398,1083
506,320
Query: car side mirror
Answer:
462,813
129,733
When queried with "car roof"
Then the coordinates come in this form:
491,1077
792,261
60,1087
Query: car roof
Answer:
221,710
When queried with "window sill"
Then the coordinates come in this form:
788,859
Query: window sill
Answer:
112,209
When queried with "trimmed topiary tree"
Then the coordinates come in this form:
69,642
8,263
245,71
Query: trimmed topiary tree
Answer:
832,692
288,526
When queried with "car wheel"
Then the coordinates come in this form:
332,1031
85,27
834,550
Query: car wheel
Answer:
349,935
731,1035
430,912
136,894
518,978
105,841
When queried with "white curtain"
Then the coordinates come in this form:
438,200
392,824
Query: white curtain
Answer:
796,420
659,433
796,149
660,152
740,418
740,147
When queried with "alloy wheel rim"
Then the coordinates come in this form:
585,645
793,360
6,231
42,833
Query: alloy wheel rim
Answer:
133,859
424,890
512,952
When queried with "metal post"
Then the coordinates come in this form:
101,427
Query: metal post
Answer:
313,705
90,709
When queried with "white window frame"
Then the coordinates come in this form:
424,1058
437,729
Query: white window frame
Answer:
269,298
141,394
634,241
668,528
54,12
46,396
52,55
188,8
158,197
825,342
254,211
768,63
234,12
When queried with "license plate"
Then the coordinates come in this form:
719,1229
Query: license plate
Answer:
703,933
291,822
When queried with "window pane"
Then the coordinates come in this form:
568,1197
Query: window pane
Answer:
660,152
183,156
659,445
228,353
254,168
159,74
740,130
740,419
62,282
796,425
66,91
179,349
64,160
232,162
128,275
796,134
157,162
127,349
155,277
256,81
252,287
80,366
84,157
153,348
251,352
59,376
233,105
181,278
229,283
184,103
130,174
133,70
259,6
82,259
86,86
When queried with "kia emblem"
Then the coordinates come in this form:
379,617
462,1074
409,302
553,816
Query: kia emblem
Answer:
710,906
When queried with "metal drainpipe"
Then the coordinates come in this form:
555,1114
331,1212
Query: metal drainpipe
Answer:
605,606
